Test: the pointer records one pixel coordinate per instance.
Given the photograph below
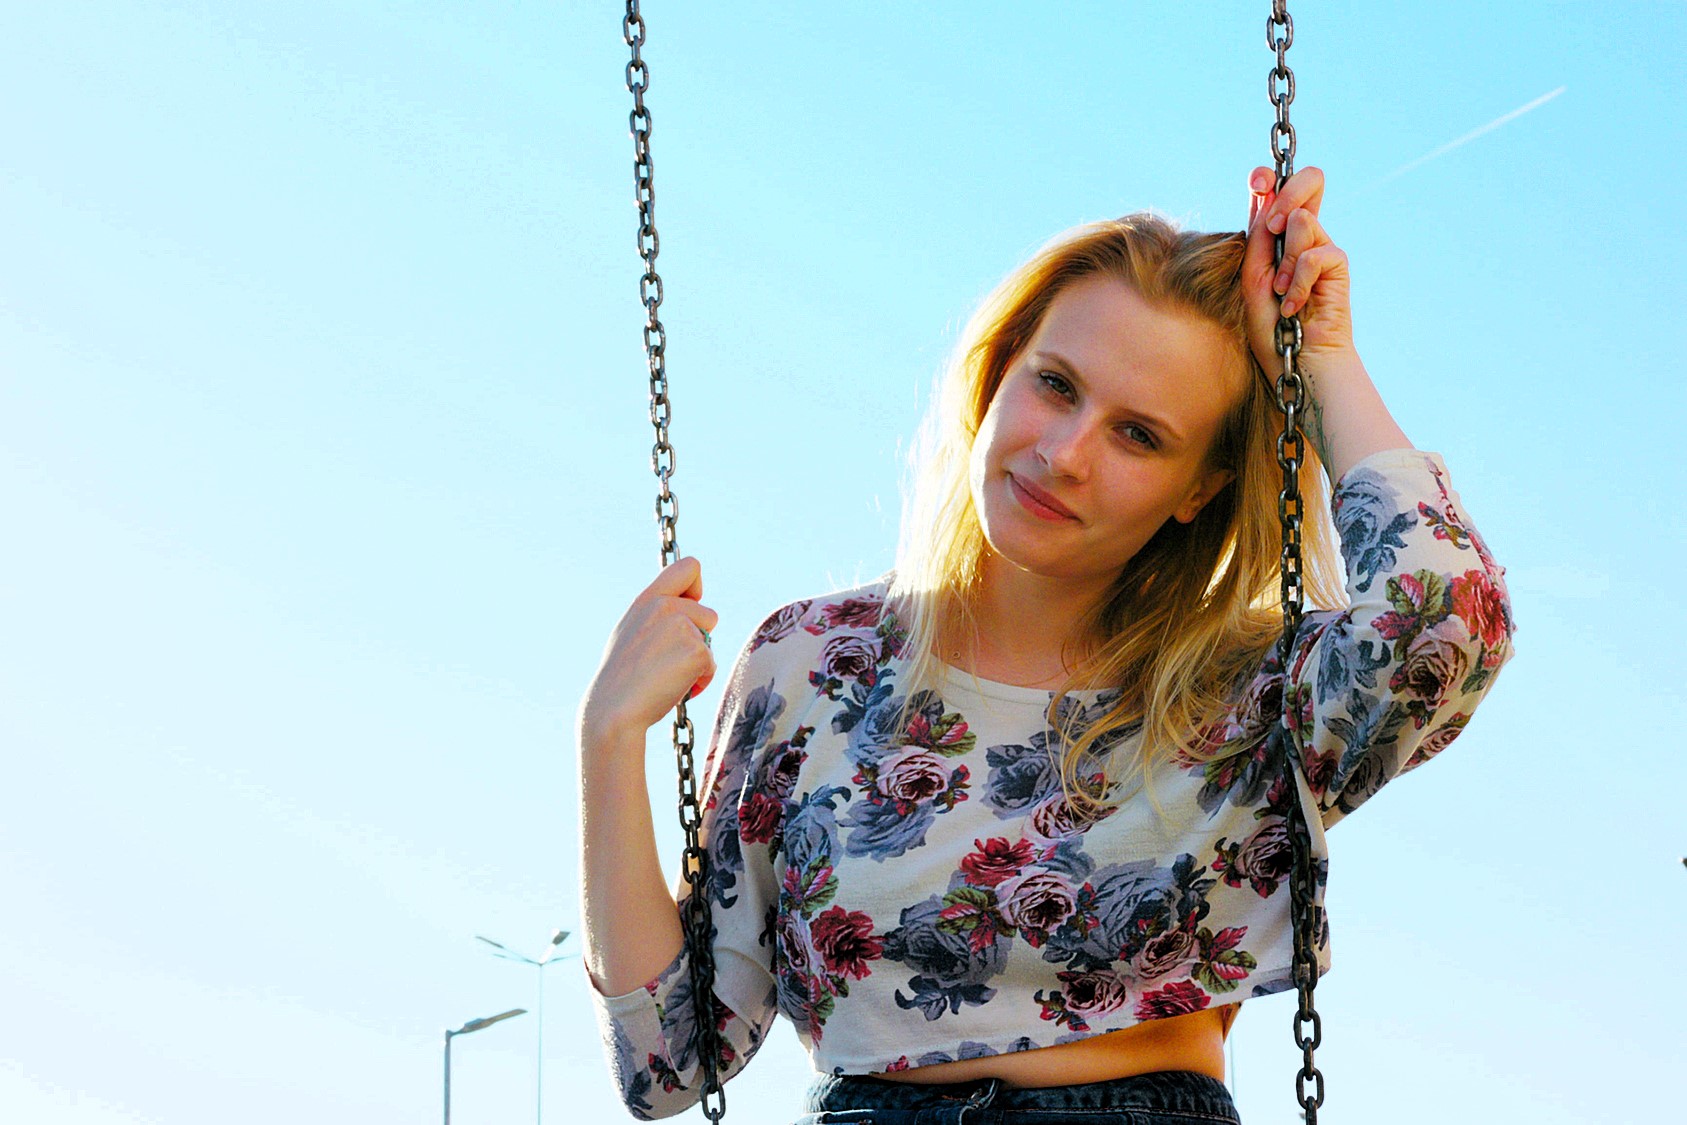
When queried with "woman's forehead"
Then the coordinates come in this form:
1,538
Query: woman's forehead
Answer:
1106,333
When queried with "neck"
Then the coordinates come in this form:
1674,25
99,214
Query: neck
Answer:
1027,625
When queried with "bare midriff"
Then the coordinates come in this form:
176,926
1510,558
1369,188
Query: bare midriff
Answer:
1190,1042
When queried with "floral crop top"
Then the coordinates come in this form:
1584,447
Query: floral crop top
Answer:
913,896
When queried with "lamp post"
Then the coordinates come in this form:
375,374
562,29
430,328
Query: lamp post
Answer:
472,1025
544,959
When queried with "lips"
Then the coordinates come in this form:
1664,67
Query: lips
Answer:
1038,502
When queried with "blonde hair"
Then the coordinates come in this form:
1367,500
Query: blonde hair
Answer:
1195,609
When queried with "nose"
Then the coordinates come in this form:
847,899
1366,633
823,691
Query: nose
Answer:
1064,448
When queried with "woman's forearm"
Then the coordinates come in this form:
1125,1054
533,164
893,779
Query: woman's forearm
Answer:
1346,419
632,929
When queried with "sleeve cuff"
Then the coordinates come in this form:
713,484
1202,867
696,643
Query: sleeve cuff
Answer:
1382,460
637,997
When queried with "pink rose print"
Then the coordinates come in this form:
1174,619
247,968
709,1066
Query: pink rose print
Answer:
794,943
1436,662
849,656
852,613
1320,768
1258,709
1482,607
1437,741
913,775
1054,820
996,860
1173,1000
780,625
1090,995
1035,902
846,942
1263,861
787,767
758,818
1171,952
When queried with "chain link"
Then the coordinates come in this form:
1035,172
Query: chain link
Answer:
1307,921
695,918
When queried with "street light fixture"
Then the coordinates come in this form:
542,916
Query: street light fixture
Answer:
472,1025
544,959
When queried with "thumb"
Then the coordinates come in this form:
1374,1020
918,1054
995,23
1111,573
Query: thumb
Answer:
681,578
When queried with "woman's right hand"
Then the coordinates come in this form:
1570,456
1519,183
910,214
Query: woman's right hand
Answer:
655,657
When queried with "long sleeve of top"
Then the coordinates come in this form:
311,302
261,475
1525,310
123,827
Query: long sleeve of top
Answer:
915,894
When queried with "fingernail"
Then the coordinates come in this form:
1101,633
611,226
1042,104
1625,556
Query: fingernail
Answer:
1277,223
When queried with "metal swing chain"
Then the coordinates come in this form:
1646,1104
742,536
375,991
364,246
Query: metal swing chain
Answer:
1291,395
695,919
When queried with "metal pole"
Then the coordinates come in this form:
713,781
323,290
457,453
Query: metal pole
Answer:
448,1078
539,1081
472,1025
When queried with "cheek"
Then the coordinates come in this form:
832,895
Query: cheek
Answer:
1010,423
978,468
986,448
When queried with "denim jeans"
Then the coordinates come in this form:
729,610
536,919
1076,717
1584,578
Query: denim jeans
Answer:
1168,1097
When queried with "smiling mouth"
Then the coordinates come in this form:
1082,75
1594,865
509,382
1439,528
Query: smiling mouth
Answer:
1039,505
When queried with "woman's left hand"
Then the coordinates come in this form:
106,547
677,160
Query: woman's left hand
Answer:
1313,280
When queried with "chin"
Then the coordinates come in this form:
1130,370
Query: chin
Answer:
1044,564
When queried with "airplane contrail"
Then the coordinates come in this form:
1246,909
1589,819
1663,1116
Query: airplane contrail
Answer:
1466,139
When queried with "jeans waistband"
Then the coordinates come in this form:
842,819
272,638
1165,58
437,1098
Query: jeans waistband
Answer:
1186,1092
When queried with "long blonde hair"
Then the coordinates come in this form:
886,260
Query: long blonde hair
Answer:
1198,606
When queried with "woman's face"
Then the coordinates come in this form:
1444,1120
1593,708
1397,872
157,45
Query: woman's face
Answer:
1099,432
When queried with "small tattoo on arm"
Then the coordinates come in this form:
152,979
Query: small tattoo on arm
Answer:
1315,425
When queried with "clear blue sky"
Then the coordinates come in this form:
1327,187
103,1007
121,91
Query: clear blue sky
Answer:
324,476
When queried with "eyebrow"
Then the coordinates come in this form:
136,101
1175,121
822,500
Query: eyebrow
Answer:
1065,364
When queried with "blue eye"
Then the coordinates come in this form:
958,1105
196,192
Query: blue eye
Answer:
1055,383
1139,435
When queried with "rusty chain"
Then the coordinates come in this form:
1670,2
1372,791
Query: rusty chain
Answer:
695,918
1291,399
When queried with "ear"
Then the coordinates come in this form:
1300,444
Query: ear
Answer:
1206,488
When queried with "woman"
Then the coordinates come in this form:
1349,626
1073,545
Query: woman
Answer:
1002,832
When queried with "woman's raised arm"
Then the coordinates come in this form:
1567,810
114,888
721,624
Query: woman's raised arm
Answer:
1346,419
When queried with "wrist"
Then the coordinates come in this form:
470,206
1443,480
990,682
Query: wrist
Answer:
609,739
1341,366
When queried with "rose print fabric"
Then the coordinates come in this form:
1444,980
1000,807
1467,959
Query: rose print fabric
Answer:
917,895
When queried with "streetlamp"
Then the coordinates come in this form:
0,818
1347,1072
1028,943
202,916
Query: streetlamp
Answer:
472,1025
508,954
